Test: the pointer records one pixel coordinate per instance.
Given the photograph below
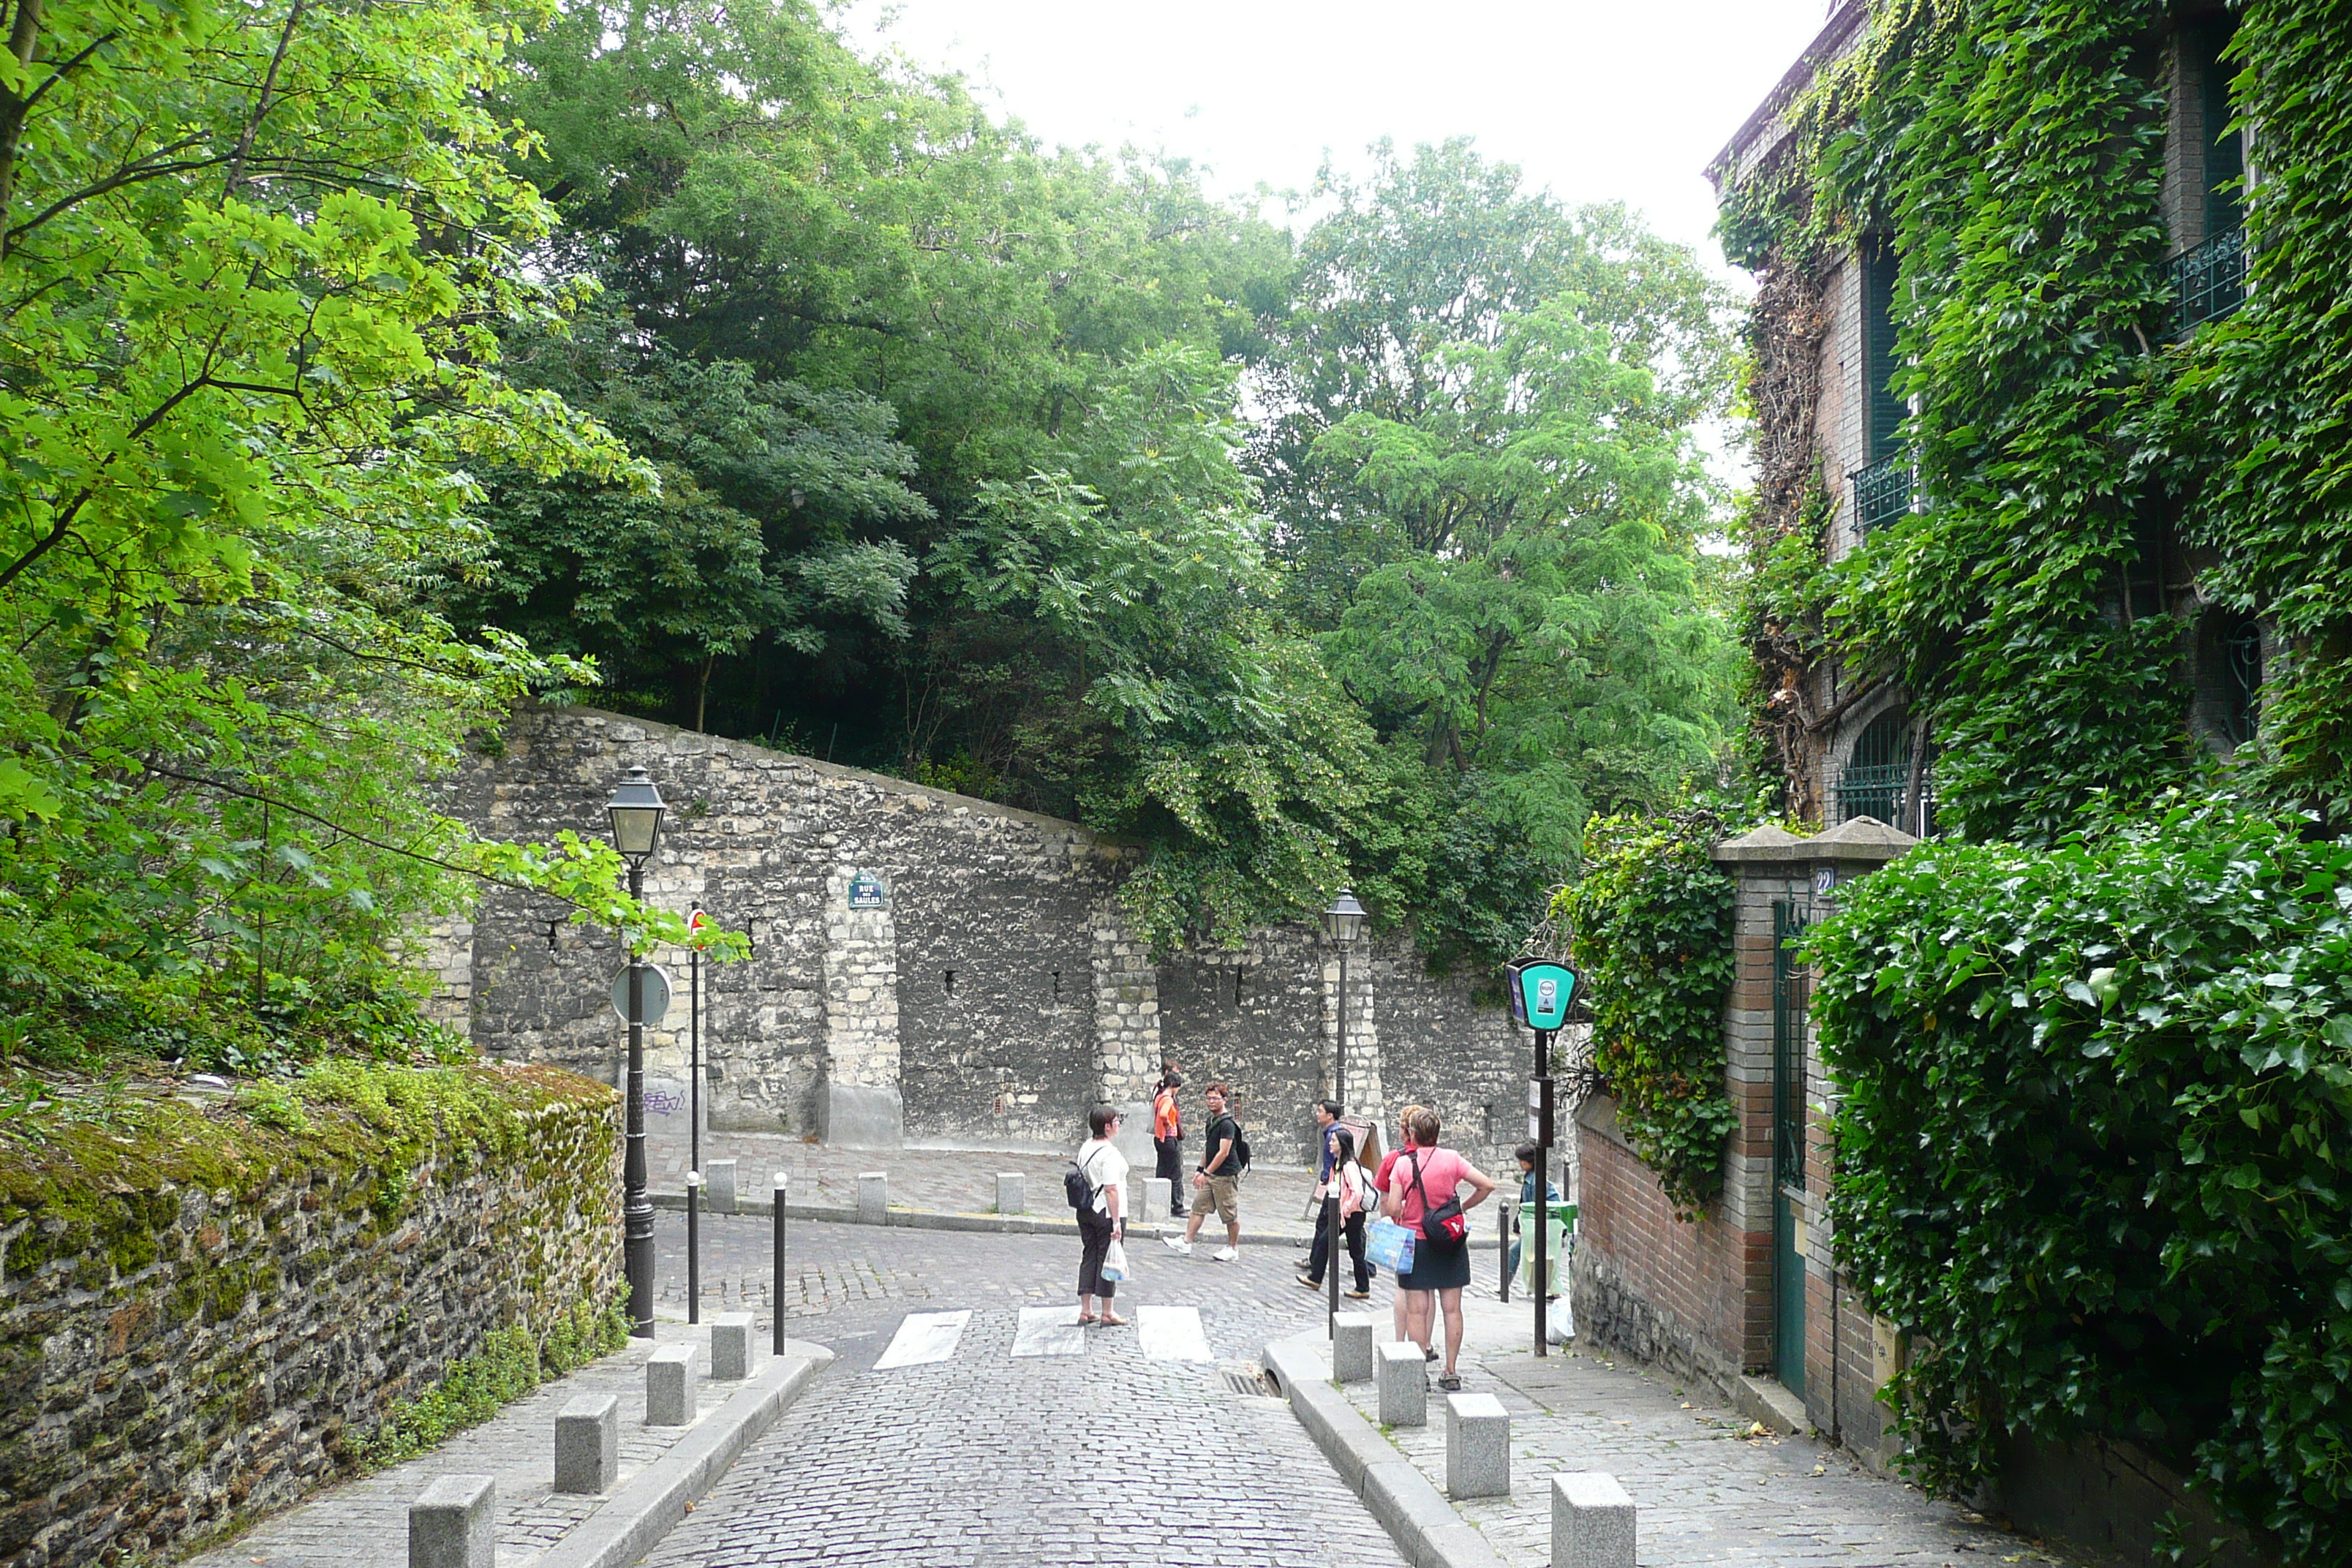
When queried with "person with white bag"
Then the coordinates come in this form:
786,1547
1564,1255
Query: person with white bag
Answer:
1102,1219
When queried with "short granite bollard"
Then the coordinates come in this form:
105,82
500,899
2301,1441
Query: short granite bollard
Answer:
1151,1200
1351,1347
1477,1447
873,1197
1592,1522
454,1524
1404,1383
719,1179
588,1444
731,1347
1012,1192
672,1386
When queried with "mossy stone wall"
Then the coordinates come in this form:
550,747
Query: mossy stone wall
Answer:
200,1312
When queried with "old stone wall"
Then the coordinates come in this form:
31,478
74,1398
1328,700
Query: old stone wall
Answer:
985,993
195,1330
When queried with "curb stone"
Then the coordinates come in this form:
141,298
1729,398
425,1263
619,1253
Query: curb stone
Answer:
1416,1515
648,1505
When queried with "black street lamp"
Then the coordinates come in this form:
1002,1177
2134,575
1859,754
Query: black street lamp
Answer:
1343,922
636,810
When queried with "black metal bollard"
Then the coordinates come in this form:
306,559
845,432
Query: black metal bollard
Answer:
1503,1245
776,1290
693,1247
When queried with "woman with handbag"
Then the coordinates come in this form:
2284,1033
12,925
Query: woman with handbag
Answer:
1424,1197
1103,1217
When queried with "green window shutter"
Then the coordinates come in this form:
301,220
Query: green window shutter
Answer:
1884,411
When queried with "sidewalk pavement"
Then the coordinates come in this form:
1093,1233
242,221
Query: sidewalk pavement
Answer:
363,1523
961,1182
1706,1489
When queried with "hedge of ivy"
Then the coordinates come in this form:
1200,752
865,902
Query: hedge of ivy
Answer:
2096,1150
1651,915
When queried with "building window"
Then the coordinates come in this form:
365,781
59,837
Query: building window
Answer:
2228,677
1883,485
2210,275
1878,771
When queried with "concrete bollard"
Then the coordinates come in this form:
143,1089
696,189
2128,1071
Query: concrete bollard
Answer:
731,1347
1404,1383
1351,1347
673,1383
588,1444
1151,1200
454,1524
1592,1522
1012,1192
873,1197
718,1176
1477,1447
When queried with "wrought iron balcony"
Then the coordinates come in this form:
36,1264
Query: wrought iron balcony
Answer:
1882,492
2211,280
1873,791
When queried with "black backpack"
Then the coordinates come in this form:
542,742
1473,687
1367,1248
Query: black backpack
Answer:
1076,1187
1241,1159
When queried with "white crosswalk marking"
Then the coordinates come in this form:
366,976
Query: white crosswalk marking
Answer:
1171,1333
1049,1331
924,1337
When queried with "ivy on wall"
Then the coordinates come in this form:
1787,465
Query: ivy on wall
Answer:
2096,1135
1652,917
2094,1148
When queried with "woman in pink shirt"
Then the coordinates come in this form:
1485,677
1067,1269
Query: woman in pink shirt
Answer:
1425,1179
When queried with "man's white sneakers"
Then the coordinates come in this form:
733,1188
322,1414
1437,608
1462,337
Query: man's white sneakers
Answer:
1223,1254
1178,1244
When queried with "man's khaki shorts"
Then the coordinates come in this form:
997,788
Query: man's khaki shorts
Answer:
1224,1197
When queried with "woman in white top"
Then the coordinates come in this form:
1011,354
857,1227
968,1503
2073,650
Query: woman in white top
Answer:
1103,1219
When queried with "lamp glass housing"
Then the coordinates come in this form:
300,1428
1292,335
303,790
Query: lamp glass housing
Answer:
1343,922
635,809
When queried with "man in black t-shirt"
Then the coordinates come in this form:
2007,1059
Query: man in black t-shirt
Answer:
1217,1183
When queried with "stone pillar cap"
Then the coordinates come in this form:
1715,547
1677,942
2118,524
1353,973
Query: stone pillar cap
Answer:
1863,838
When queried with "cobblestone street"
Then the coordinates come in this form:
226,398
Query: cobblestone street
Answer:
986,1458
990,1457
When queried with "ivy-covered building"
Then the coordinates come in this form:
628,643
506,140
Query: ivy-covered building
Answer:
2051,372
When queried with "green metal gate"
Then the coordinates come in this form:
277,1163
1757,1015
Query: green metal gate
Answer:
1790,917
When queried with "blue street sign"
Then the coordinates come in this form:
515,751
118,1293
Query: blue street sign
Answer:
865,891
1541,990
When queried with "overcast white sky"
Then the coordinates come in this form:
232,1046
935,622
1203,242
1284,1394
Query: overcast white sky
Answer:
1597,100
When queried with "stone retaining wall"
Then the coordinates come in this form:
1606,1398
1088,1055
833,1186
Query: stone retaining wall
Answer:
993,994
199,1315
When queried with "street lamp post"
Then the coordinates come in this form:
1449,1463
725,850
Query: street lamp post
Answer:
636,810
1343,922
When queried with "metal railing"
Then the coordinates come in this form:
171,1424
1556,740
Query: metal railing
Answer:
2211,280
1874,791
1882,492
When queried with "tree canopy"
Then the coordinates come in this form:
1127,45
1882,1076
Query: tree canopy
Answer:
368,370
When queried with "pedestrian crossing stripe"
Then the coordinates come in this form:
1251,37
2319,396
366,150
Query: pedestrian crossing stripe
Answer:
1163,1334
924,1337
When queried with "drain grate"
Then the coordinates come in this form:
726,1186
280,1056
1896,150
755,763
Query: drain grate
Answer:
1248,1380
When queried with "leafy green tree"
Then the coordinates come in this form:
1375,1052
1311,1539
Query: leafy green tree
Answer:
1138,565
771,531
251,257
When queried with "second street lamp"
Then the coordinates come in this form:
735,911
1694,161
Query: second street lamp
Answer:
636,810
1343,922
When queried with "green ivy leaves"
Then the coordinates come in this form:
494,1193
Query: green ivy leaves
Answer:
1652,917
2096,1146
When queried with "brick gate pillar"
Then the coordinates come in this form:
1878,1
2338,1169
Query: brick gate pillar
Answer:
1126,1028
1361,1094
